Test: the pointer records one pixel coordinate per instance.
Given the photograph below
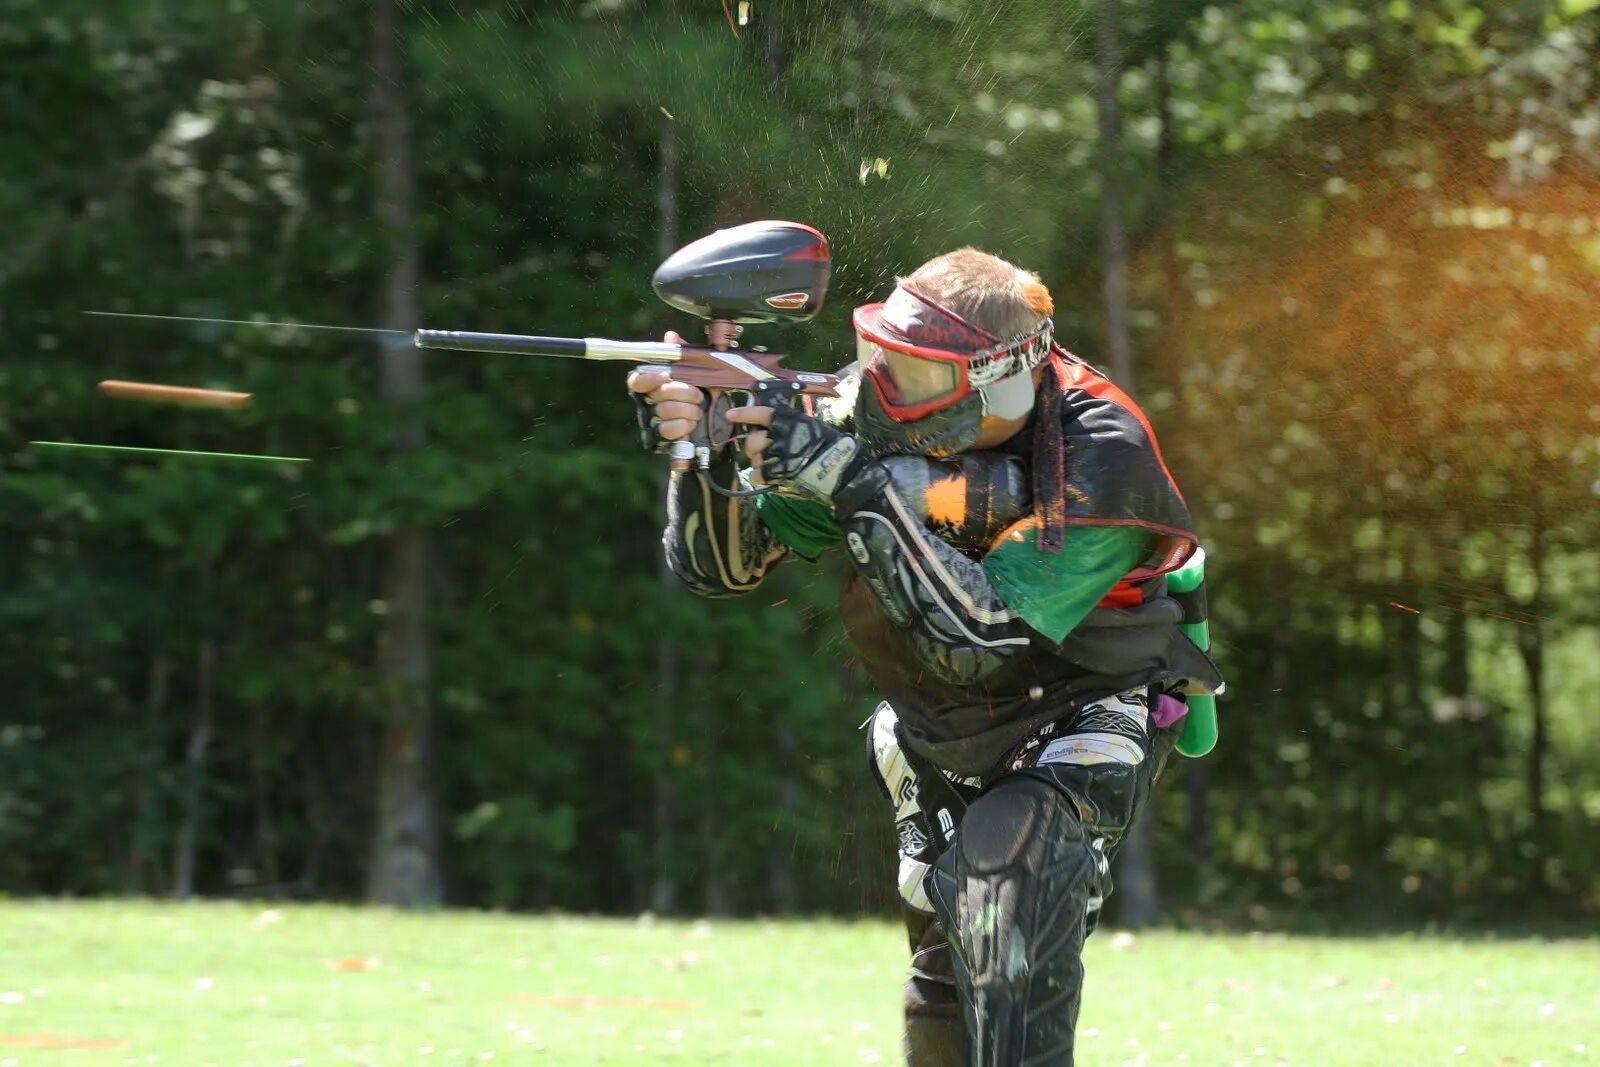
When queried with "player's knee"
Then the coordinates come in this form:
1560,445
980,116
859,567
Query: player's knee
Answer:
1020,825
1023,871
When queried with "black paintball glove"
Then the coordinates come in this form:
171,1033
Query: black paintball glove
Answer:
806,457
649,424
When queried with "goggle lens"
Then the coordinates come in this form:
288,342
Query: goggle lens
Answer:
909,378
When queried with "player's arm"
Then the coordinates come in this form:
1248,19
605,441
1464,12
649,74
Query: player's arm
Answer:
716,545
961,628
968,616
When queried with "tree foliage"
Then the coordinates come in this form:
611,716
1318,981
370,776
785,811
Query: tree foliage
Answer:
1365,272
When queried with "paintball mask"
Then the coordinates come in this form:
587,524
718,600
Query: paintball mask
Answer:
930,376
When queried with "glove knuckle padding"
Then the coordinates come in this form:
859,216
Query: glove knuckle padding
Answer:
1015,893
793,440
808,454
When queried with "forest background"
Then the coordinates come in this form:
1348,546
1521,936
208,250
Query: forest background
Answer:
1347,254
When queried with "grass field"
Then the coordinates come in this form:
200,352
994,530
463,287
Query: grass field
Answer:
235,985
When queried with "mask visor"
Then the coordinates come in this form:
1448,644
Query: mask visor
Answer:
909,380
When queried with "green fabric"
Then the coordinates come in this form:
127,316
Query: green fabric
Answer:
806,526
1053,591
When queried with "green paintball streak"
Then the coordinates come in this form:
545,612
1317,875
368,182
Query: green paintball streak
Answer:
233,457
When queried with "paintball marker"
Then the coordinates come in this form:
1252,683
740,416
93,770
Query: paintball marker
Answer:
761,272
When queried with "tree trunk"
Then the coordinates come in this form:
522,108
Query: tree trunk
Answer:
714,843
1196,784
194,769
266,843
1113,231
664,878
1166,136
1457,676
405,848
663,866
142,875
1136,873
782,891
1530,643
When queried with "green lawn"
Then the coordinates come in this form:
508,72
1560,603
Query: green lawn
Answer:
235,985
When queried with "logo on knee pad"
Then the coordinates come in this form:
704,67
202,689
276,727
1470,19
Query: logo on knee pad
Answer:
1086,749
1123,714
913,842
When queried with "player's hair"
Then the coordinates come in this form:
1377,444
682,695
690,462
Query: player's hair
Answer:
985,290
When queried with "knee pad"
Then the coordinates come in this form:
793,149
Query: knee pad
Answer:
1022,874
1025,828
1015,894
1008,831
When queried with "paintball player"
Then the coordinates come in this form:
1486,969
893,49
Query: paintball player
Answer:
1008,521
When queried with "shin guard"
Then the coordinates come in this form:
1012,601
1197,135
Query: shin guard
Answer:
1014,895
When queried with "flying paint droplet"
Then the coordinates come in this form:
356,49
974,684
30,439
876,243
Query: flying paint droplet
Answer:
242,457
877,165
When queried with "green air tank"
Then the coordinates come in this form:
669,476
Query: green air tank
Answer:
1187,584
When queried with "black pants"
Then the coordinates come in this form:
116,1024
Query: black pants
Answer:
1021,886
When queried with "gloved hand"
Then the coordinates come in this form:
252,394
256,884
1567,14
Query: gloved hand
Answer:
801,455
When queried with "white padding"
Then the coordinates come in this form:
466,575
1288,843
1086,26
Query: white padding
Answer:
1009,399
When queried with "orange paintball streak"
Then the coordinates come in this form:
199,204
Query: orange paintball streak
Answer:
175,394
